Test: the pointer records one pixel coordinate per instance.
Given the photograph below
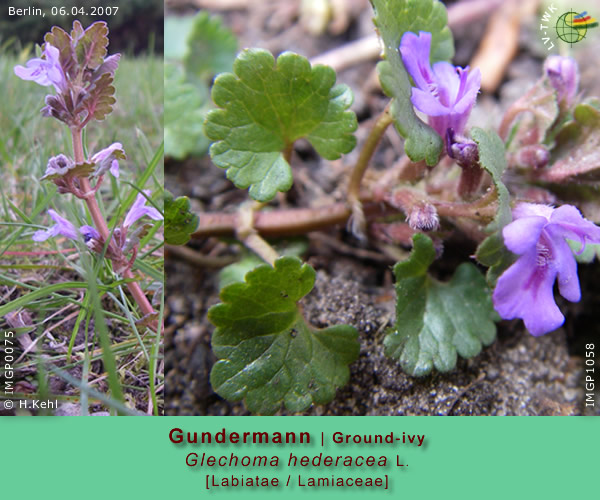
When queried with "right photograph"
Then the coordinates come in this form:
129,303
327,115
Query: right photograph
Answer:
381,207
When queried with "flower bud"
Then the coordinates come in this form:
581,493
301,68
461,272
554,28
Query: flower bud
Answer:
58,165
423,217
563,74
464,151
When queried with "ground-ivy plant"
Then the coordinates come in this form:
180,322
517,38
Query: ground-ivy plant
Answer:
502,189
77,68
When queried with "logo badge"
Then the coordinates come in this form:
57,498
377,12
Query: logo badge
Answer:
571,27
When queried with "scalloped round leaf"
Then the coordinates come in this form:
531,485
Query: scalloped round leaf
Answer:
266,106
268,355
436,321
393,18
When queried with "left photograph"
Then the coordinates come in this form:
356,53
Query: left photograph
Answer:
81,210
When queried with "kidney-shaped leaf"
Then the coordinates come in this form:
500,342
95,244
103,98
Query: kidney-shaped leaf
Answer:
265,107
267,353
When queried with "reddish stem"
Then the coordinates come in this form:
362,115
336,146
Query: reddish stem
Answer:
100,223
304,220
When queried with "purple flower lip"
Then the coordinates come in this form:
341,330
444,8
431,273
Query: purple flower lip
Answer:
107,159
89,233
58,165
47,71
539,234
139,209
62,226
445,93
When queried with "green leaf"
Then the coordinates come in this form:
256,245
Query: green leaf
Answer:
236,271
393,18
90,45
491,252
268,106
267,353
211,47
180,221
495,256
492,157
186,106
435,321
99,100
578,148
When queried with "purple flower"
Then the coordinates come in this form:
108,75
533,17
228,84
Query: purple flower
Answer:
564,77
46,71
108,159
89,233
445,93
539,235
58,165
62,226
139,209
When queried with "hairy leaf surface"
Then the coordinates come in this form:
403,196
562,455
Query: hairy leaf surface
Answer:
268,355
436,321
265,107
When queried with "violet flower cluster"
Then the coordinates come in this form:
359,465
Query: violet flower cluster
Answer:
120,244
539,234
84,92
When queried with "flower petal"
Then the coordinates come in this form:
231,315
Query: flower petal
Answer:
568,222
525,291
114,169
532,209
63,226
522,235
42,235
426,103
89,232
469,89
414,51
139,209
449,82
565,263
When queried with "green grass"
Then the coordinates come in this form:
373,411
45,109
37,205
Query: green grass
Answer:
87,346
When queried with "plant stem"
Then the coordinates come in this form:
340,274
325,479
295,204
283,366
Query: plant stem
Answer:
375,135
359,169
101,226
304,220
247,234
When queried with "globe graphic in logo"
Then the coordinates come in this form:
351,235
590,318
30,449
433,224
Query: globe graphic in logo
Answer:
566,30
